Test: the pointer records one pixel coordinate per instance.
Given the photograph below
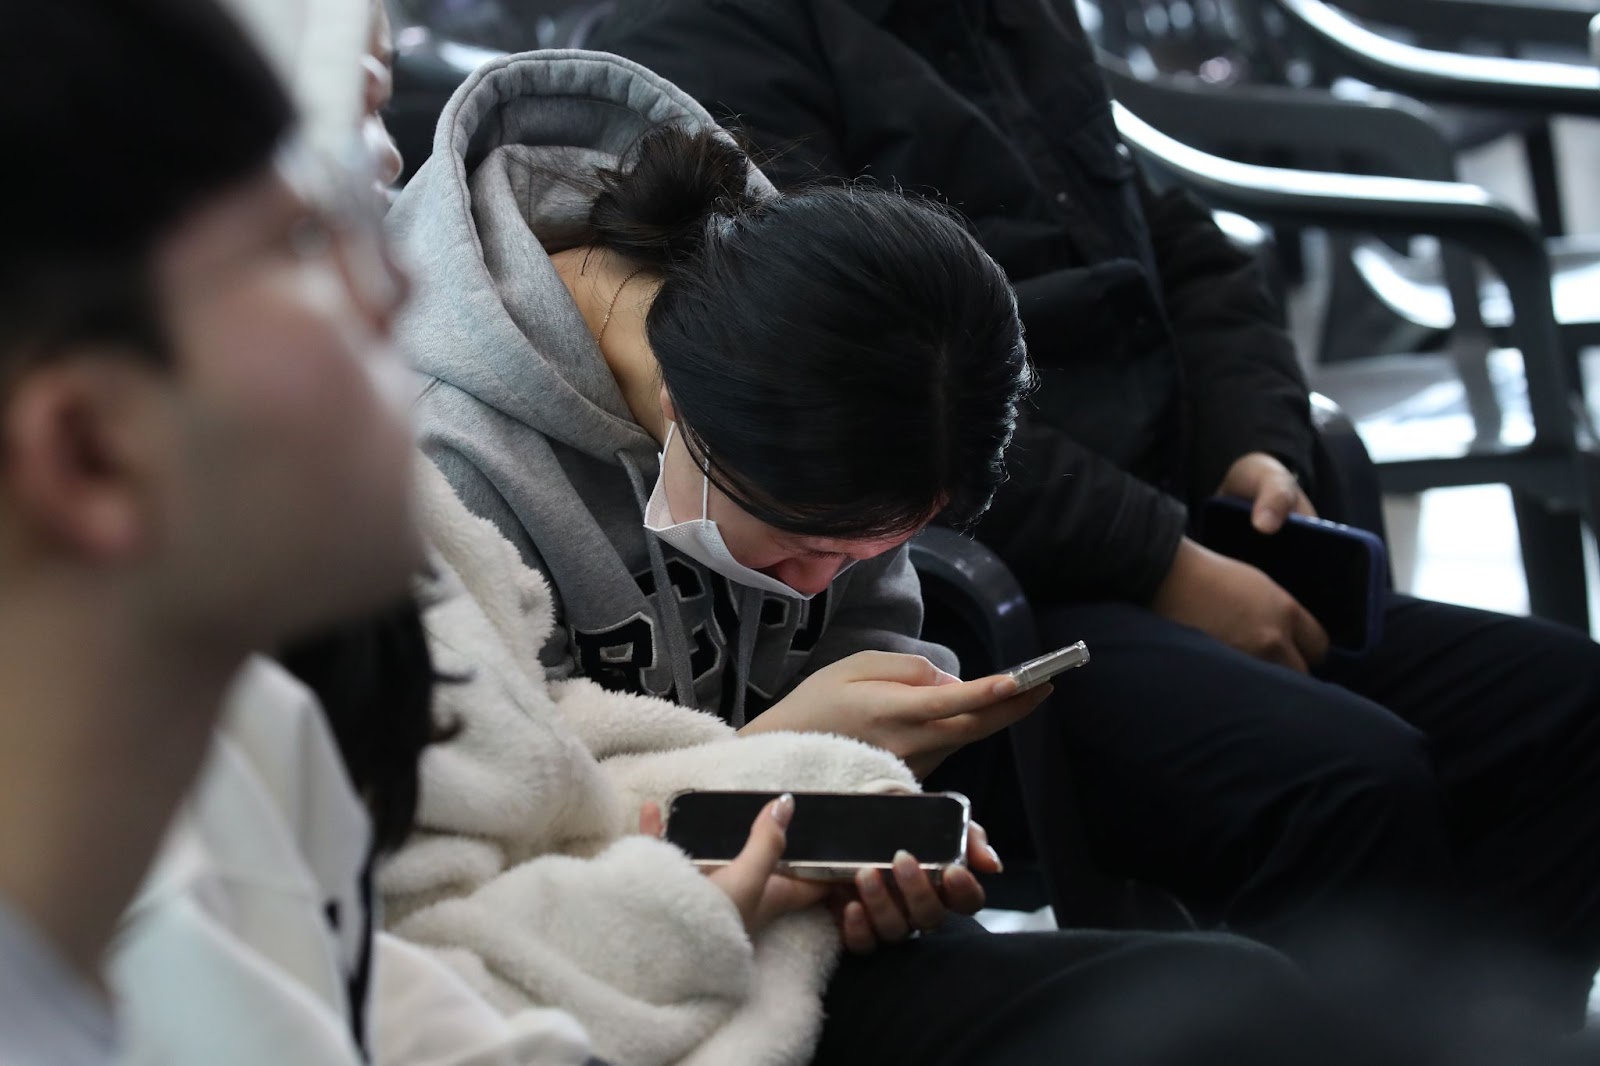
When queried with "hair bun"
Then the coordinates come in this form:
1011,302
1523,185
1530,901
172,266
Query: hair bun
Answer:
655,206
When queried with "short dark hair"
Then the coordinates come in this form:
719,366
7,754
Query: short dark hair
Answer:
846,359
121,117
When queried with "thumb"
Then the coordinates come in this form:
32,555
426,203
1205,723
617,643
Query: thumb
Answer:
650,820
764,847
1273,504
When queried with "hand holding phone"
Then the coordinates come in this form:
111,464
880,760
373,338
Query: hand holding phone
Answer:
751,879
832,835
1240,606
883,839
902,704
1336,572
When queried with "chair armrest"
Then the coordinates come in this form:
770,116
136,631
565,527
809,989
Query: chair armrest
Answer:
1446,77
1534,22
1399,207
975,584
1386,133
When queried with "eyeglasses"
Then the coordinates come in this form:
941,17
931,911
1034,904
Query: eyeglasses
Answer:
345,222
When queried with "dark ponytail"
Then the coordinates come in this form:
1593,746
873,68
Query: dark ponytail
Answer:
846,359
658,208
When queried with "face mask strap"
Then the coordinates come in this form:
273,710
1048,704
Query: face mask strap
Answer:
705,476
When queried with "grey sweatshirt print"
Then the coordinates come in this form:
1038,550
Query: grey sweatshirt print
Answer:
520,412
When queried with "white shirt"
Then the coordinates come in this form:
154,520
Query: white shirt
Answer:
228,957
49,1016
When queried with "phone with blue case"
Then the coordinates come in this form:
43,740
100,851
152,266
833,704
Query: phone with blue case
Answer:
1337,572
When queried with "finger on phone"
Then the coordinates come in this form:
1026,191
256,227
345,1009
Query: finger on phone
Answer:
650,823
1310,637
883,911
984,694
981,856
1273,505
975,725
764,847
797,895
961,891
923,907
855,930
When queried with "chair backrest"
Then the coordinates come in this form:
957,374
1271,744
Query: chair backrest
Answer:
973,605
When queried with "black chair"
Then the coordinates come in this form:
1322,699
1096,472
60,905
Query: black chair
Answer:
973,605
1382,299
1533,90
1378,134
1478,28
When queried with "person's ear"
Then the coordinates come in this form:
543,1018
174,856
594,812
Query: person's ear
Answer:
81,439
668,412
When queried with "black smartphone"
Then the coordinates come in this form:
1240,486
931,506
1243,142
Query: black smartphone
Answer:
832,835
1337,572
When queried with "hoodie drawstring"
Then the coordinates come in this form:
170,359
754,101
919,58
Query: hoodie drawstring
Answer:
674,632
749,630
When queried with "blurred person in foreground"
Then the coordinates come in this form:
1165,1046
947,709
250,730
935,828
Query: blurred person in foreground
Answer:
253,938
1216,750
195,462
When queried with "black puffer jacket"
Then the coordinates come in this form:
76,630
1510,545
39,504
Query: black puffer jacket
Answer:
1157,344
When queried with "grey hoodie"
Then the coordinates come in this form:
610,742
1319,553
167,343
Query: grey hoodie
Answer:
523,417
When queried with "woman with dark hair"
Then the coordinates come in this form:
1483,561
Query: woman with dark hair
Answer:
710,414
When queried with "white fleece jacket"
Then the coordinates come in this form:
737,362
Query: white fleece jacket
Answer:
527,874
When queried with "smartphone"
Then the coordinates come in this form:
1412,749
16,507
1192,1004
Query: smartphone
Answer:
1337,572
832,835
1036,672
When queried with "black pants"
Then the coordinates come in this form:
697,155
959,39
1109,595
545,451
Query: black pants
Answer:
1092,999
1458,765
1149,999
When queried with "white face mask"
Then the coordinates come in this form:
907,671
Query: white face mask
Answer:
701,540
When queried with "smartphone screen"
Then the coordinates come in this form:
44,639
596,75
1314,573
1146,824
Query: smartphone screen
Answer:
1334,571
857,828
